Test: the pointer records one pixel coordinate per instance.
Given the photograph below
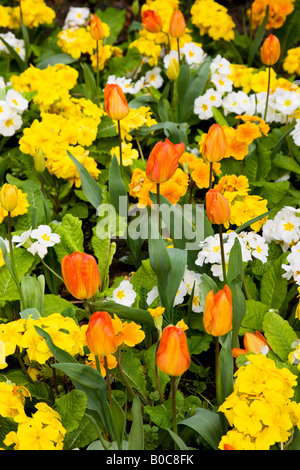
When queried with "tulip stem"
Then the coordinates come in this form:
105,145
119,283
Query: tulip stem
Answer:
107,379
210,174
139,147
158,206
173,393
97,71
13,263
222,254
120,146
217,370
268,92
178,49
157,377
125,380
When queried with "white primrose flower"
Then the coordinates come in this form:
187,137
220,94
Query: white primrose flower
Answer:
44,236
38,248
16,101
22,239
292,269
194,54
76,17
153,78
221,82
12,123
124,294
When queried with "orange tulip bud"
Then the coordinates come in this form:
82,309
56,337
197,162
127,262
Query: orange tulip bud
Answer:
115,102
100,335
217,318
151,21
96,28
173,357
270,50
81,275
177,24
163,161
9,197
252,343
217,207
215,144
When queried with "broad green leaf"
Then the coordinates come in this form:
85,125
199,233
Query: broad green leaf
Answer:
24,263
71,236
89,81
235,264
62,58
287,163
54,304
125,313
273,288
238,311
279,334
115,18
253,319
226,365
71,408
104,251
258,164
89,186
136,440
207,424
180,443
133,371
82,436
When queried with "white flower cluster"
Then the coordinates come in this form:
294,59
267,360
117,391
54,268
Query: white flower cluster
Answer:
296,133
76,17
190,280
252,246
292,269
284,229
17,44
44,239
12,106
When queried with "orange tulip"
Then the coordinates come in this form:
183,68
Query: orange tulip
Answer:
173,357
96,28
177,24
215,144
81,275
163,161
252,343
151,21
100,335
115,102
217,318
270,50
217,207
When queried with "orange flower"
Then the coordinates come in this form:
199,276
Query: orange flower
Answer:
270,50
248,132
217,207
115,102
81,275
173,357
177,24
96,28
100,335
252,343
9,197
217,318
151,21
215,144
163,161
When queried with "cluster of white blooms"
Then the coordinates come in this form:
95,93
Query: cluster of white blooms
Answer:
252,246
292,269
152,78
17,44
296,133
12,106
284,229
190,281
76,17
44,239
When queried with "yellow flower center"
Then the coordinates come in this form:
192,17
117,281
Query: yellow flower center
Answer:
9,122
152,77
120,294
204,107
287,102
288,226
45,237
15,102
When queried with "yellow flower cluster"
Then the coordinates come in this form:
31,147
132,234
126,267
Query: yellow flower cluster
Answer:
198,169
34,13
136,118
41,431
22,208
291,63
51,84
105,52
173,189
129,154
79,41
213,19
127,334
65,333
278,11
12,399
243,206
249,78
260,410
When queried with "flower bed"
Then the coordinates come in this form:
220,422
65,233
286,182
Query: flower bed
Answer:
149,226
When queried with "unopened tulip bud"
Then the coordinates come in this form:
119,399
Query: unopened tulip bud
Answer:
173,69
215,144
151,21
173,357
177,24
270,50
96,28
217,207
115,102
81,275
100,335
39,161
163,161
217,318
9,197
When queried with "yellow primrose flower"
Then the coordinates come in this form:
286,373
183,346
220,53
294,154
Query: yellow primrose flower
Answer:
129,154
126,333
111,362
11,401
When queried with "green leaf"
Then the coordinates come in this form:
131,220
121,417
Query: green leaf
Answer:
133,371
207,424
253,319
115,18
54,304
104,251
24,262
279,334
71,408
65,59
273,288
287,163
126,313
89,186
71,236
235,264
226,367
164,379
89,82
136,440
238,311
258,164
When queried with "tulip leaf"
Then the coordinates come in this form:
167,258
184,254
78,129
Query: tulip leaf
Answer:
235,264
126,313
206,423
136,439
90,187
